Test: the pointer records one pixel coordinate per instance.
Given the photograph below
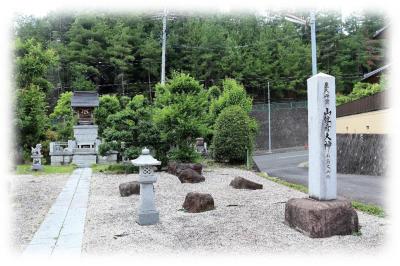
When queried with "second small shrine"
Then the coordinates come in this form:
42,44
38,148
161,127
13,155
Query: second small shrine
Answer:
83,150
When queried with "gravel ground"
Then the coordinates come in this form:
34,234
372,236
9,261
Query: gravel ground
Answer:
243,222
31,199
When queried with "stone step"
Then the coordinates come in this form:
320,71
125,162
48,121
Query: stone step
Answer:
84,160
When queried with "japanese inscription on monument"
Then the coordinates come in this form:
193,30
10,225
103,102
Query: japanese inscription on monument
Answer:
327,125
322,137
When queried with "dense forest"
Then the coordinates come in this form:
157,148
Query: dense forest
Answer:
121,53
216,64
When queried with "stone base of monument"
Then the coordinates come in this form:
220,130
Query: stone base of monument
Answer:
148,218
318,219
60,159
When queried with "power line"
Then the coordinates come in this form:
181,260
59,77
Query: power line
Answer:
216,47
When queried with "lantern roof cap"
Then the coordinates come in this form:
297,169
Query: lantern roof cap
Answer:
145,159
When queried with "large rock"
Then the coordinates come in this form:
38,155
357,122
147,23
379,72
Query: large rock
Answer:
198,202
319,219
242,183
176,168
190,176
129,188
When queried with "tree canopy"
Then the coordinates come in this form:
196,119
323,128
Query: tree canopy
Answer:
121,53
213,61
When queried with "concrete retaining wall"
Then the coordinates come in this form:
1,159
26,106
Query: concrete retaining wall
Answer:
356,153
363,154
288,127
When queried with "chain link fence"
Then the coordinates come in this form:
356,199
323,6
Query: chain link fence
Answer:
279,105
289,126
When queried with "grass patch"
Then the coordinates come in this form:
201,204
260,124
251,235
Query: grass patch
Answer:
367,208
25,169
115,168
285,183
99,168
209,163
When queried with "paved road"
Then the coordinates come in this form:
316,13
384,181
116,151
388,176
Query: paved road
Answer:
366,189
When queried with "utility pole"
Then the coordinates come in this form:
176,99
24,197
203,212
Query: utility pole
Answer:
313,44
301,21
148,74
164,36
269,121
122,83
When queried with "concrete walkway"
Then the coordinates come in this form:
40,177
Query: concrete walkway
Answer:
61,232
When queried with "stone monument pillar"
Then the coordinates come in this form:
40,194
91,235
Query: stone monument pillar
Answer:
37,157
147,213
322,214
322,137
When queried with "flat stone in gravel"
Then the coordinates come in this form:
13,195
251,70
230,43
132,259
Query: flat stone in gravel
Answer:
129,188
198,202
242,183
190,176
176,168
241,223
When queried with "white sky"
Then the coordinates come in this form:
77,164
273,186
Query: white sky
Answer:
40,8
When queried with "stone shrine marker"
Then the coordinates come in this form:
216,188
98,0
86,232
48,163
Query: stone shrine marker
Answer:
322,137
322,214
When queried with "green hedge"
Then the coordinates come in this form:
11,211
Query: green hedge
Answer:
120,168
360,90
234,134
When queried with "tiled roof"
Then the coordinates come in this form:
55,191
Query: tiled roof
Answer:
376,71
85,99
379,32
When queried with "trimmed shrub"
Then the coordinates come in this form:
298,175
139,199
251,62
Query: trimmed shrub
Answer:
360,90
31,121
180,115
137,102
233,94
62,118
108,105
123,101
234,133
213,92
185,154
128,131
119,169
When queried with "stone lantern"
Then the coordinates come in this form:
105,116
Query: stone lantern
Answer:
147,210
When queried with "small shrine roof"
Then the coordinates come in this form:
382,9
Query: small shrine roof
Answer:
85,99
